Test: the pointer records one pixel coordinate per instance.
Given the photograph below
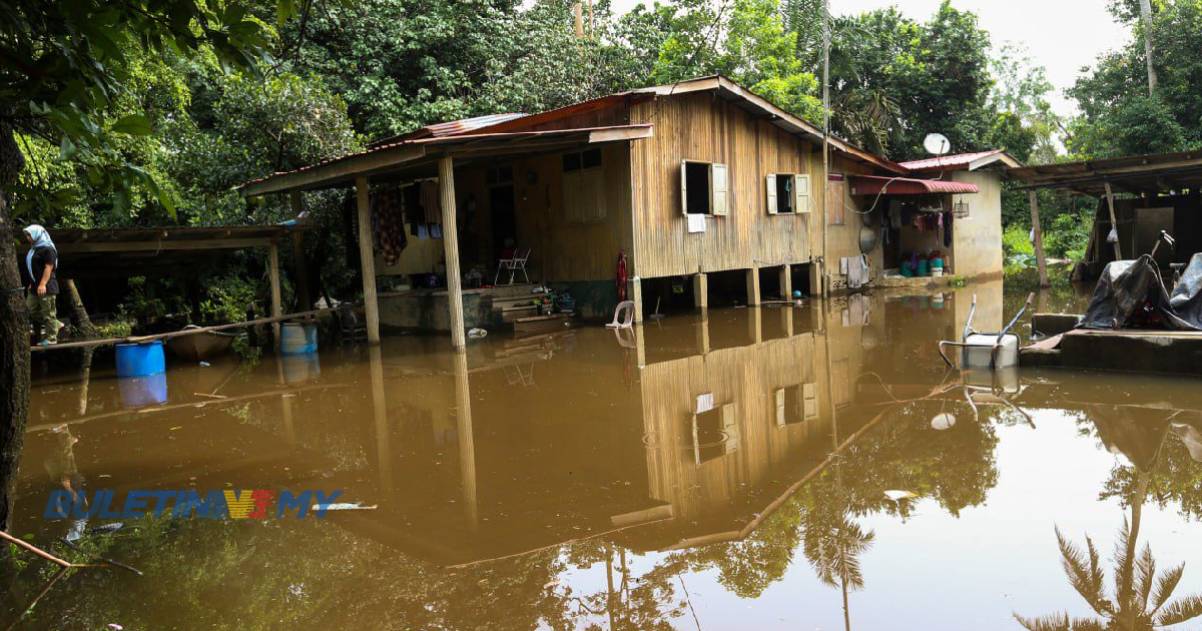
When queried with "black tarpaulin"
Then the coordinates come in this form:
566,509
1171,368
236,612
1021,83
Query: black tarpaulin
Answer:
1131,295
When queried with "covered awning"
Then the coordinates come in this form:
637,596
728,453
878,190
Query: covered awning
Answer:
878,185
121,252
1144,174
386,158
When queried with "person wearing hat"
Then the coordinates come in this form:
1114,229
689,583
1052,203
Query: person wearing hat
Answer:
41,285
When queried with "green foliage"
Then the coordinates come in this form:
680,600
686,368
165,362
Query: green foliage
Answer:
228,299
747,42
1068,236
1118,116
149,300
922,78
1025,125
67,67
1017,240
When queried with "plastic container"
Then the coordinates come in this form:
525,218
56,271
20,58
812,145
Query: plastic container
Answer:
298,339
300,369
979,351
141,360
923,268
140,392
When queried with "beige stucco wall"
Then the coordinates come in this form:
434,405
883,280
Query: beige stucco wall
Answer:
977,239
844,240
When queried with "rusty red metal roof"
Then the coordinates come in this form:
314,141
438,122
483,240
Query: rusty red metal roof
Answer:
874,185
452,128
961,162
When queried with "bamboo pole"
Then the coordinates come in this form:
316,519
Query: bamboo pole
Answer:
367,262
450,244
1114,222
140,339
1040,260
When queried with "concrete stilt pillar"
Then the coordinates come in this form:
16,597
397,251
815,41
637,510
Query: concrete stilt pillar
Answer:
701,291
786,282
755,324
703,334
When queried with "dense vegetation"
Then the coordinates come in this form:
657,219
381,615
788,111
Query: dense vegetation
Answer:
167,138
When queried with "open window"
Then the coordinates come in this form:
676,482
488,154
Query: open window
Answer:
715,433
583,186
704,188
788,193
796,404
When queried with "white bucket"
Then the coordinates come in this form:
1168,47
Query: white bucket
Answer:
979,350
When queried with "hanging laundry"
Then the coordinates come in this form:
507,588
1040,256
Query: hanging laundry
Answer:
947,230
435,231
388,224
431,205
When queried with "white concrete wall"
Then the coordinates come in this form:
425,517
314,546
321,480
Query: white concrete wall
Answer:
977,239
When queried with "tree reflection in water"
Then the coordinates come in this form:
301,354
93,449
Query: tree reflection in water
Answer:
1155,466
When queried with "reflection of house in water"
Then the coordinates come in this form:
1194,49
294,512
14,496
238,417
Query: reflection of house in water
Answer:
525,444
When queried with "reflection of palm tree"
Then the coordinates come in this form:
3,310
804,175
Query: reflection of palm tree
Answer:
835,553
1141,601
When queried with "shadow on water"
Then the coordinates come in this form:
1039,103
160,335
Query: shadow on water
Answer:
810,462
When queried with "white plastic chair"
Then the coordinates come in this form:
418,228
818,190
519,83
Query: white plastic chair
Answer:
623,316
514,265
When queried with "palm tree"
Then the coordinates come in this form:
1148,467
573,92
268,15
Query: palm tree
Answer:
1141,600
834,549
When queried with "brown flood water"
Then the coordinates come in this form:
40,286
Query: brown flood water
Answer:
566,481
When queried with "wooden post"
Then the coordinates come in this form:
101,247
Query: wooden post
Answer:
450,244
578,14
755,324
702,329
701,291
277,307
753,287
367,262
1114,223
379,410
304,300
466,436
1040,261
786,282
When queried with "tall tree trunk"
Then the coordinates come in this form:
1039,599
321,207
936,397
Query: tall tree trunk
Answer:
79,313
14,333
1145,12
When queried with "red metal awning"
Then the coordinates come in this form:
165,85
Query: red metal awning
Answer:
874,185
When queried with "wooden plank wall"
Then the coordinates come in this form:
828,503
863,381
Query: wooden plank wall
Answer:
704,128
562,250
747,377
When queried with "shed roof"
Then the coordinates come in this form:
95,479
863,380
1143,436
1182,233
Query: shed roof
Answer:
451,128
145,251
343,170
1134,174
962,162
875,185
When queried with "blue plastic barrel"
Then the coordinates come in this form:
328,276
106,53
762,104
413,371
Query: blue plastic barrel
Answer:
140,392
298,339
140,360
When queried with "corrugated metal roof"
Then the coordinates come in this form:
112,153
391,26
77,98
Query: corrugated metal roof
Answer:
961,161
451,128
873,185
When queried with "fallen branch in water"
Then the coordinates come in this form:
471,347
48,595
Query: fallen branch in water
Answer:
63,563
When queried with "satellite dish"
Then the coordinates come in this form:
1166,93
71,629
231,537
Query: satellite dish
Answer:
937,144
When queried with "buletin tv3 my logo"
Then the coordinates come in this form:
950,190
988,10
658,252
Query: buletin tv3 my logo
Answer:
183,504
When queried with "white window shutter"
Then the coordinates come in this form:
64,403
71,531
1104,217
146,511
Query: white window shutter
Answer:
730,427
809,398
780,407
772,204
718,190
684,188
801,188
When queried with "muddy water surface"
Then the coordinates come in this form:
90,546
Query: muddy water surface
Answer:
813,468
